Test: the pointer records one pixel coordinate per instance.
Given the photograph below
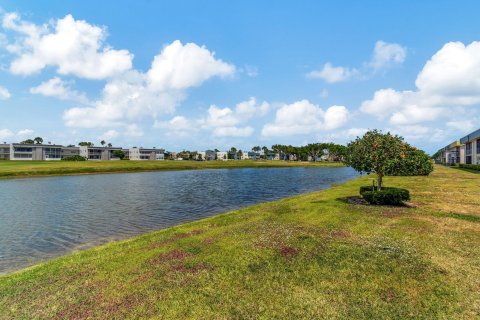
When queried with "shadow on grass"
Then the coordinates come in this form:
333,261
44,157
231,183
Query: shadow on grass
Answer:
353,200
459,216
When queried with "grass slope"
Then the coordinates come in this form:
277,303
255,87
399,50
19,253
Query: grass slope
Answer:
312,256
19,169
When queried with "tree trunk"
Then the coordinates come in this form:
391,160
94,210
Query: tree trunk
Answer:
379,181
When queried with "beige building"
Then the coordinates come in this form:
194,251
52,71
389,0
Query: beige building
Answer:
145,154
98,153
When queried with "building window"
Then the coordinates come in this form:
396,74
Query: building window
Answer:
468,148
478,146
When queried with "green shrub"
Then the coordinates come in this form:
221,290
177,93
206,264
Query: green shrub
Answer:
371,188
118,154
74,158
388,196
475,167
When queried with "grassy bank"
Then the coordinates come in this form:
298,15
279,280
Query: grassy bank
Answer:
312,256
20,169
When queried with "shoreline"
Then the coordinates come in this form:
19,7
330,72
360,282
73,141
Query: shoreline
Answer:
18,169
286,256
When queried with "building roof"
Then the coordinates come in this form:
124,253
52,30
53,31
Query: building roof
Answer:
39,145
471,136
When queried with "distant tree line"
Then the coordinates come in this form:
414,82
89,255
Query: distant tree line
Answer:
309,152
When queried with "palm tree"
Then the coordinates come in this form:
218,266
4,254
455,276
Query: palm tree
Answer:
265,151
102,142
109,145
232,154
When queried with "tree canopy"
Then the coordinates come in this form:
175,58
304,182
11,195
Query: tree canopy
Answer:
386,155
118,154
38,140
85,143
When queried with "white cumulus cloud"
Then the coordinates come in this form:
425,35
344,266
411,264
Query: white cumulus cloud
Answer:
109,135
4,93
448,81
386,54
227,122
9,135
158,91
25,133
133,130
463,125
332,74
180,66
58,88
303,117
5,134
220,122
73,47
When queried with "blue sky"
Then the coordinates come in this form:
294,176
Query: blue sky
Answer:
216,74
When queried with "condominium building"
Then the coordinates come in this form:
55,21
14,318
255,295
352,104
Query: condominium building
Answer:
463,151
450,154
98,153
70,151
145,154
18,151
471,148
4,151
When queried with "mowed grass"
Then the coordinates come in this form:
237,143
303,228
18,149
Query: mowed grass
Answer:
18,169
313,256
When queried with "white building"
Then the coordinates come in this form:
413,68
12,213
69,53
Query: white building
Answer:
206,155
222,155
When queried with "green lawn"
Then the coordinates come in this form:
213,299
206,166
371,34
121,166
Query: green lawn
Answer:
313,256
17,169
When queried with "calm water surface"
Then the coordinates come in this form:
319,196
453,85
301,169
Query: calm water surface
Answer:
47,217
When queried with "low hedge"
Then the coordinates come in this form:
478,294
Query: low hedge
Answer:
388,195
74,158
475,167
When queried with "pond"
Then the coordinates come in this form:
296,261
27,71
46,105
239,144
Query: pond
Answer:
41,218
